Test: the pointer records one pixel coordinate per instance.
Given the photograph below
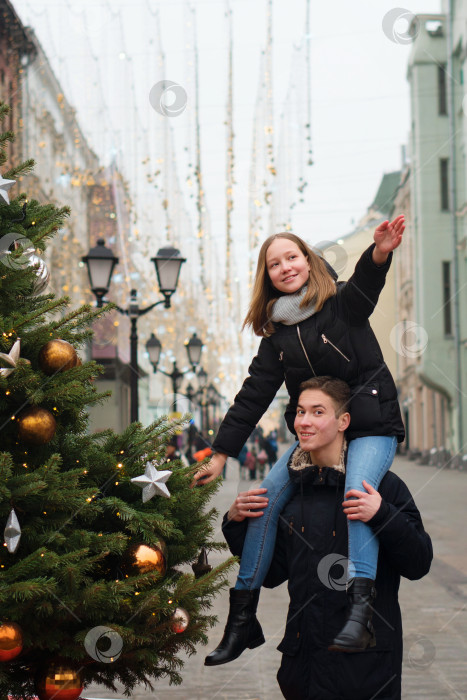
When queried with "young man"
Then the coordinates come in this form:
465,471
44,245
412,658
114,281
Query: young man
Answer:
311,551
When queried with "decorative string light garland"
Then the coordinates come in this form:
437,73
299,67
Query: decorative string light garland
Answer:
229,175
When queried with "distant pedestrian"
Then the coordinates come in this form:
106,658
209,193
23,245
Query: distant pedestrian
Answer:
270,445
251,463
241,459
262,459
173,453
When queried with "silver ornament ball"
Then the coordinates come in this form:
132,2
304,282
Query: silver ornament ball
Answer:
42,274
180,620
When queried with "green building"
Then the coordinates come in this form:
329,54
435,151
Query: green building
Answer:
431,271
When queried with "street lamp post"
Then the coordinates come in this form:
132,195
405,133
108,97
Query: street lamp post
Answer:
202,381
193,348
213,399
100,262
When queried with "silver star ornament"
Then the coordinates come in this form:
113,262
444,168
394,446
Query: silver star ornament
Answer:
152,482
12,532
11,359
4,187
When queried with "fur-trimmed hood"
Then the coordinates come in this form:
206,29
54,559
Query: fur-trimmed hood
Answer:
302,469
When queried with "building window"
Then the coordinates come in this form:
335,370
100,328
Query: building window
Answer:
447,306
444,189
442,91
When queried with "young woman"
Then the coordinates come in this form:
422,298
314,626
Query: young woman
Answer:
310,326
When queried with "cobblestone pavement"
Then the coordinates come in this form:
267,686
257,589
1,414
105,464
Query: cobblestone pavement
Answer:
434,610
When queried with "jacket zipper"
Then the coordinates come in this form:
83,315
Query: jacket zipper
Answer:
305,352
326,340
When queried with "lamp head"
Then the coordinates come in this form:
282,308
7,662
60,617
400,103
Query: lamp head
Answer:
100,262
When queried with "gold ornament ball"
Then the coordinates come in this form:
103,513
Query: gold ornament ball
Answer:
11,641
59,681
141,558
36,426
57,356
180,620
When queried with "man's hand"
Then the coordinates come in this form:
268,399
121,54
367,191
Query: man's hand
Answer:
387,237
248,505
364,506
211,470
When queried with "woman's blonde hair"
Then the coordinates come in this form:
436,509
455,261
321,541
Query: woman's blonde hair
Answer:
320,287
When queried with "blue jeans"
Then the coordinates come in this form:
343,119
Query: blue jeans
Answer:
368,458
261,534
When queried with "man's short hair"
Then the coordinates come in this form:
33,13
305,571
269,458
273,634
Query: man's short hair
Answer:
336,389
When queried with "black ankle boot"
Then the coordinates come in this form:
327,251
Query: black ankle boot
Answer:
242,630
357,633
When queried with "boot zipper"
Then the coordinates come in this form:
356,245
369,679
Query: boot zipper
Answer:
326,340
305,352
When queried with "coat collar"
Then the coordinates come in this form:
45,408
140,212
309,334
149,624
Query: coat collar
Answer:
302,469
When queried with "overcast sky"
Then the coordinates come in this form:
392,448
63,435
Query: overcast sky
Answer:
359,92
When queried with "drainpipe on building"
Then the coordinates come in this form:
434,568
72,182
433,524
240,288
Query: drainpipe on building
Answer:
453,208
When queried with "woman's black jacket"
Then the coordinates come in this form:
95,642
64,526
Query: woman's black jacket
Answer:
309,560
339,342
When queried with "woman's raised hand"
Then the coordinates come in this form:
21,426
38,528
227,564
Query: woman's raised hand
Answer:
211,470
387,237
248,504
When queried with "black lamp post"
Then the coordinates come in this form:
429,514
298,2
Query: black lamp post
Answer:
212,399
205,396
202,378
190,393
100,262
201,395
193,348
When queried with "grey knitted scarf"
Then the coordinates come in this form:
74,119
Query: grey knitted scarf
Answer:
287,309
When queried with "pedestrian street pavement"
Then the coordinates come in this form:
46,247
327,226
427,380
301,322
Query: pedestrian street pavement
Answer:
434,610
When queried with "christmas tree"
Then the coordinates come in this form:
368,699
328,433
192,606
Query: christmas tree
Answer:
95,582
